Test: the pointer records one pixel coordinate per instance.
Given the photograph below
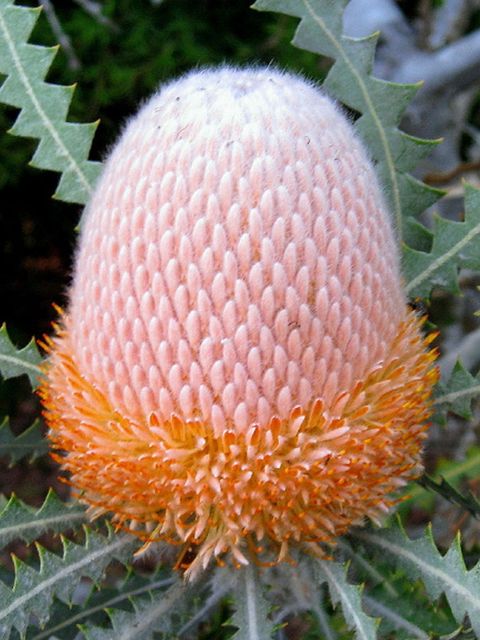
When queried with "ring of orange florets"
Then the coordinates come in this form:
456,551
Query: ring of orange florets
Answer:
305,479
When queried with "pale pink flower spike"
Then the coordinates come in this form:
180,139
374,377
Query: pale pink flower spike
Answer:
237,370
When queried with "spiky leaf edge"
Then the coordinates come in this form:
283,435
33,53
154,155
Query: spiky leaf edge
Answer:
420,558
150,614
251,616
66,620
18,521
33,591
63,146
30,444
15,362
349,596
454,245
395,600
457,393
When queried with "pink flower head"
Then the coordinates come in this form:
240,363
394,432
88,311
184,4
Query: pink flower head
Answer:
237,370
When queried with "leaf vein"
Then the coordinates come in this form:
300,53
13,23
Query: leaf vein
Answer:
346,602
427,568
20,363
68,570
37,105
445,257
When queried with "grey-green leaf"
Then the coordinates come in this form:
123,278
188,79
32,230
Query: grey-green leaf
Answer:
64,619
18,521
455,245
30,444
63,146
150,614
251,607
16,362
420,558
33,590
390,612
457,393
350,598
404,607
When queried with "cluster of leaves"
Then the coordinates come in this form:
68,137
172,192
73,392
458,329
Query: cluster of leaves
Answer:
381,583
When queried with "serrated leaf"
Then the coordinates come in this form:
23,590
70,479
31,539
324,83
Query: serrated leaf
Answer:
18,521
29,444
16,362
63,146
457,393
410,613
251,607
420,558
400,603
455,245
65,619
33,591
350,598
149,615
380,103
415,196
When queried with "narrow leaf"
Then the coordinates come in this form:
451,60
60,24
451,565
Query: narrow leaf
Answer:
457,393
455,245
150,614
65,619
33,591
251,608
30,444
63,146
218,586
441,574
350,598
324,622
18,521
16,362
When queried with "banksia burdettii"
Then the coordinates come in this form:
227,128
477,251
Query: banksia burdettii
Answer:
237,370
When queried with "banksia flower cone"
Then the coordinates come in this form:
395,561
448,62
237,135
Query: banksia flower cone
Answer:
237,370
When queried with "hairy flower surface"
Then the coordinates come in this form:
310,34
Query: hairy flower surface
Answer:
237,370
